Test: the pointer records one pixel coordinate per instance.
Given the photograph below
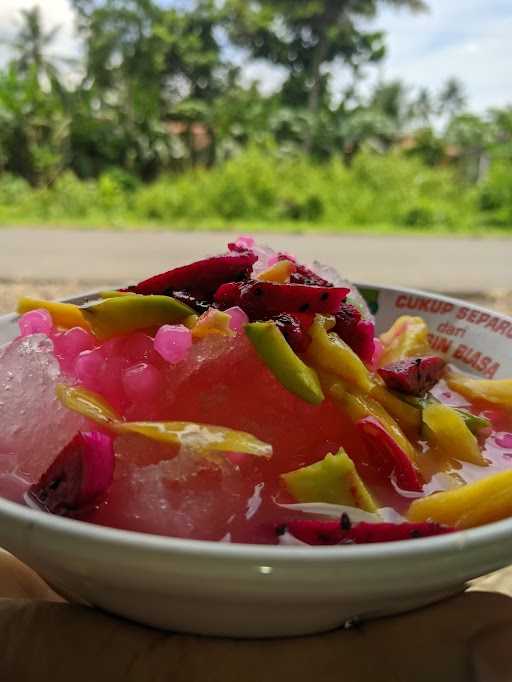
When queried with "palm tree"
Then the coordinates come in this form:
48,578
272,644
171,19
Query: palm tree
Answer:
31,47
452,98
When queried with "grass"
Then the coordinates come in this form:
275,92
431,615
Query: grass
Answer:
264,191
130,224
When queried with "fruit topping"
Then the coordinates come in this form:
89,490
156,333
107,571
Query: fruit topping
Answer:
413,376
65,315
331,354
294,328
262,300
202,277
279,272
284,364
484,501
359,334
78,478
200,437
334,480
198,302
406,338
496,391
387,455
304,275
447,431
408,416
125,314
343,532
88,404
212,322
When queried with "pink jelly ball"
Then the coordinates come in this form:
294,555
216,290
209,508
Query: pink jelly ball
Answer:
73,341
141,382
172,342
238,318
138,347
112,346
504,440
89,367
35,322
112,380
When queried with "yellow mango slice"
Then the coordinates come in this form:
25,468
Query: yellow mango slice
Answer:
212,322
407,416
495,391
334,479
359,406
330,353
191,321
406,338
88,404
448,433
202,437
199,436
65,315
279,272
474,504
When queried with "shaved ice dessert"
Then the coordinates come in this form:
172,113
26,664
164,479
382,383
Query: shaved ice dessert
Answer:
246,398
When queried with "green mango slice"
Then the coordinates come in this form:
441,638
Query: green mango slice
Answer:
126,314
284,364
334,480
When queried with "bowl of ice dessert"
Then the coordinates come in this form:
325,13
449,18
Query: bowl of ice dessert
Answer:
252,446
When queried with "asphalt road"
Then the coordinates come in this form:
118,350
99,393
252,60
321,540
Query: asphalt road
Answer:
453,265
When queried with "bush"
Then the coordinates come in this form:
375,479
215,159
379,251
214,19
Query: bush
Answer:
495,196
268,187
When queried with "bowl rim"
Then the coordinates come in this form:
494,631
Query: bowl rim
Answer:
434,546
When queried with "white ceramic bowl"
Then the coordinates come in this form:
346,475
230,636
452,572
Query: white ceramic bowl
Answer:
261,591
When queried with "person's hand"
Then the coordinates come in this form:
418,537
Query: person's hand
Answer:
42,638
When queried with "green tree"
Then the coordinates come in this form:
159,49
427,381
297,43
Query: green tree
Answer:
32,48
34,130
452,99
154,64
308,37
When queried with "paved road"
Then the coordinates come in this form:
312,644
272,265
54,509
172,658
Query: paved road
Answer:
462,266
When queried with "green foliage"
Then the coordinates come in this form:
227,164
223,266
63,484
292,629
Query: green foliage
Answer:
264,185
495,195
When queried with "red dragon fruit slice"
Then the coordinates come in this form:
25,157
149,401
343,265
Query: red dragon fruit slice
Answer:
197,302
203,276
359,334
387,455
240,246
315,532
414,376
262,300
304,275
78,478
294,329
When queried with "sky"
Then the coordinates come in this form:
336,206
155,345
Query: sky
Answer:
468,39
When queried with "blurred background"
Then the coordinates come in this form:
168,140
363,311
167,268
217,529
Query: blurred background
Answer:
341,116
